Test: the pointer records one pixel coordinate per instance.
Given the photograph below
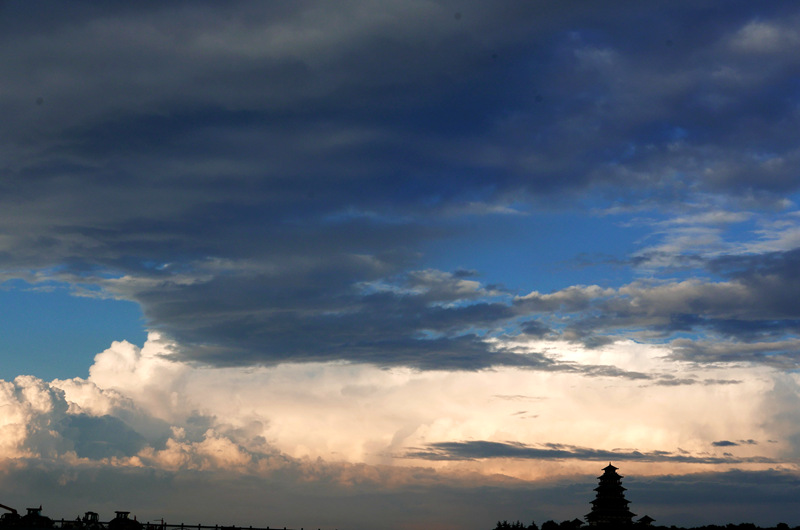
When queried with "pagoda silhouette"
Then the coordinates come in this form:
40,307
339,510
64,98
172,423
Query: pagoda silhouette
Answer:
610,508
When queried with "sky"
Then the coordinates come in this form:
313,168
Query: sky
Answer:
400,264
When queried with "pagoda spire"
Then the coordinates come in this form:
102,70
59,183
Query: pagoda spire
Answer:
610,508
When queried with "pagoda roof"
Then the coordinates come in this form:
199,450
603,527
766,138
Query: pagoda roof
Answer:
610,471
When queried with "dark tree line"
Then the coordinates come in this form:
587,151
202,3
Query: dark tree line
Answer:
517,525
547,525
576,524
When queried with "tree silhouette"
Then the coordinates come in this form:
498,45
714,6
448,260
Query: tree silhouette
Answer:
516,525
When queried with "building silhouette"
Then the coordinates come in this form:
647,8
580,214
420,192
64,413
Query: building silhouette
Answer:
610,508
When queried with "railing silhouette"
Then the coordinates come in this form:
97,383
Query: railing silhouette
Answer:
75,524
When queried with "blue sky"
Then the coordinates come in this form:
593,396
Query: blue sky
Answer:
347,253
54,334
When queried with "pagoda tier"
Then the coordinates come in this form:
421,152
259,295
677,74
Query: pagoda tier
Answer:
610,508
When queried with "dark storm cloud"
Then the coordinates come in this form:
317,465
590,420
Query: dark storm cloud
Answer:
728,443
474,450
535,328
317,315
668,380
261,177
779,354
748,315
758,265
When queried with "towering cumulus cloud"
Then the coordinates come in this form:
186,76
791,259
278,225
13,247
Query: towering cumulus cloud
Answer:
337,428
